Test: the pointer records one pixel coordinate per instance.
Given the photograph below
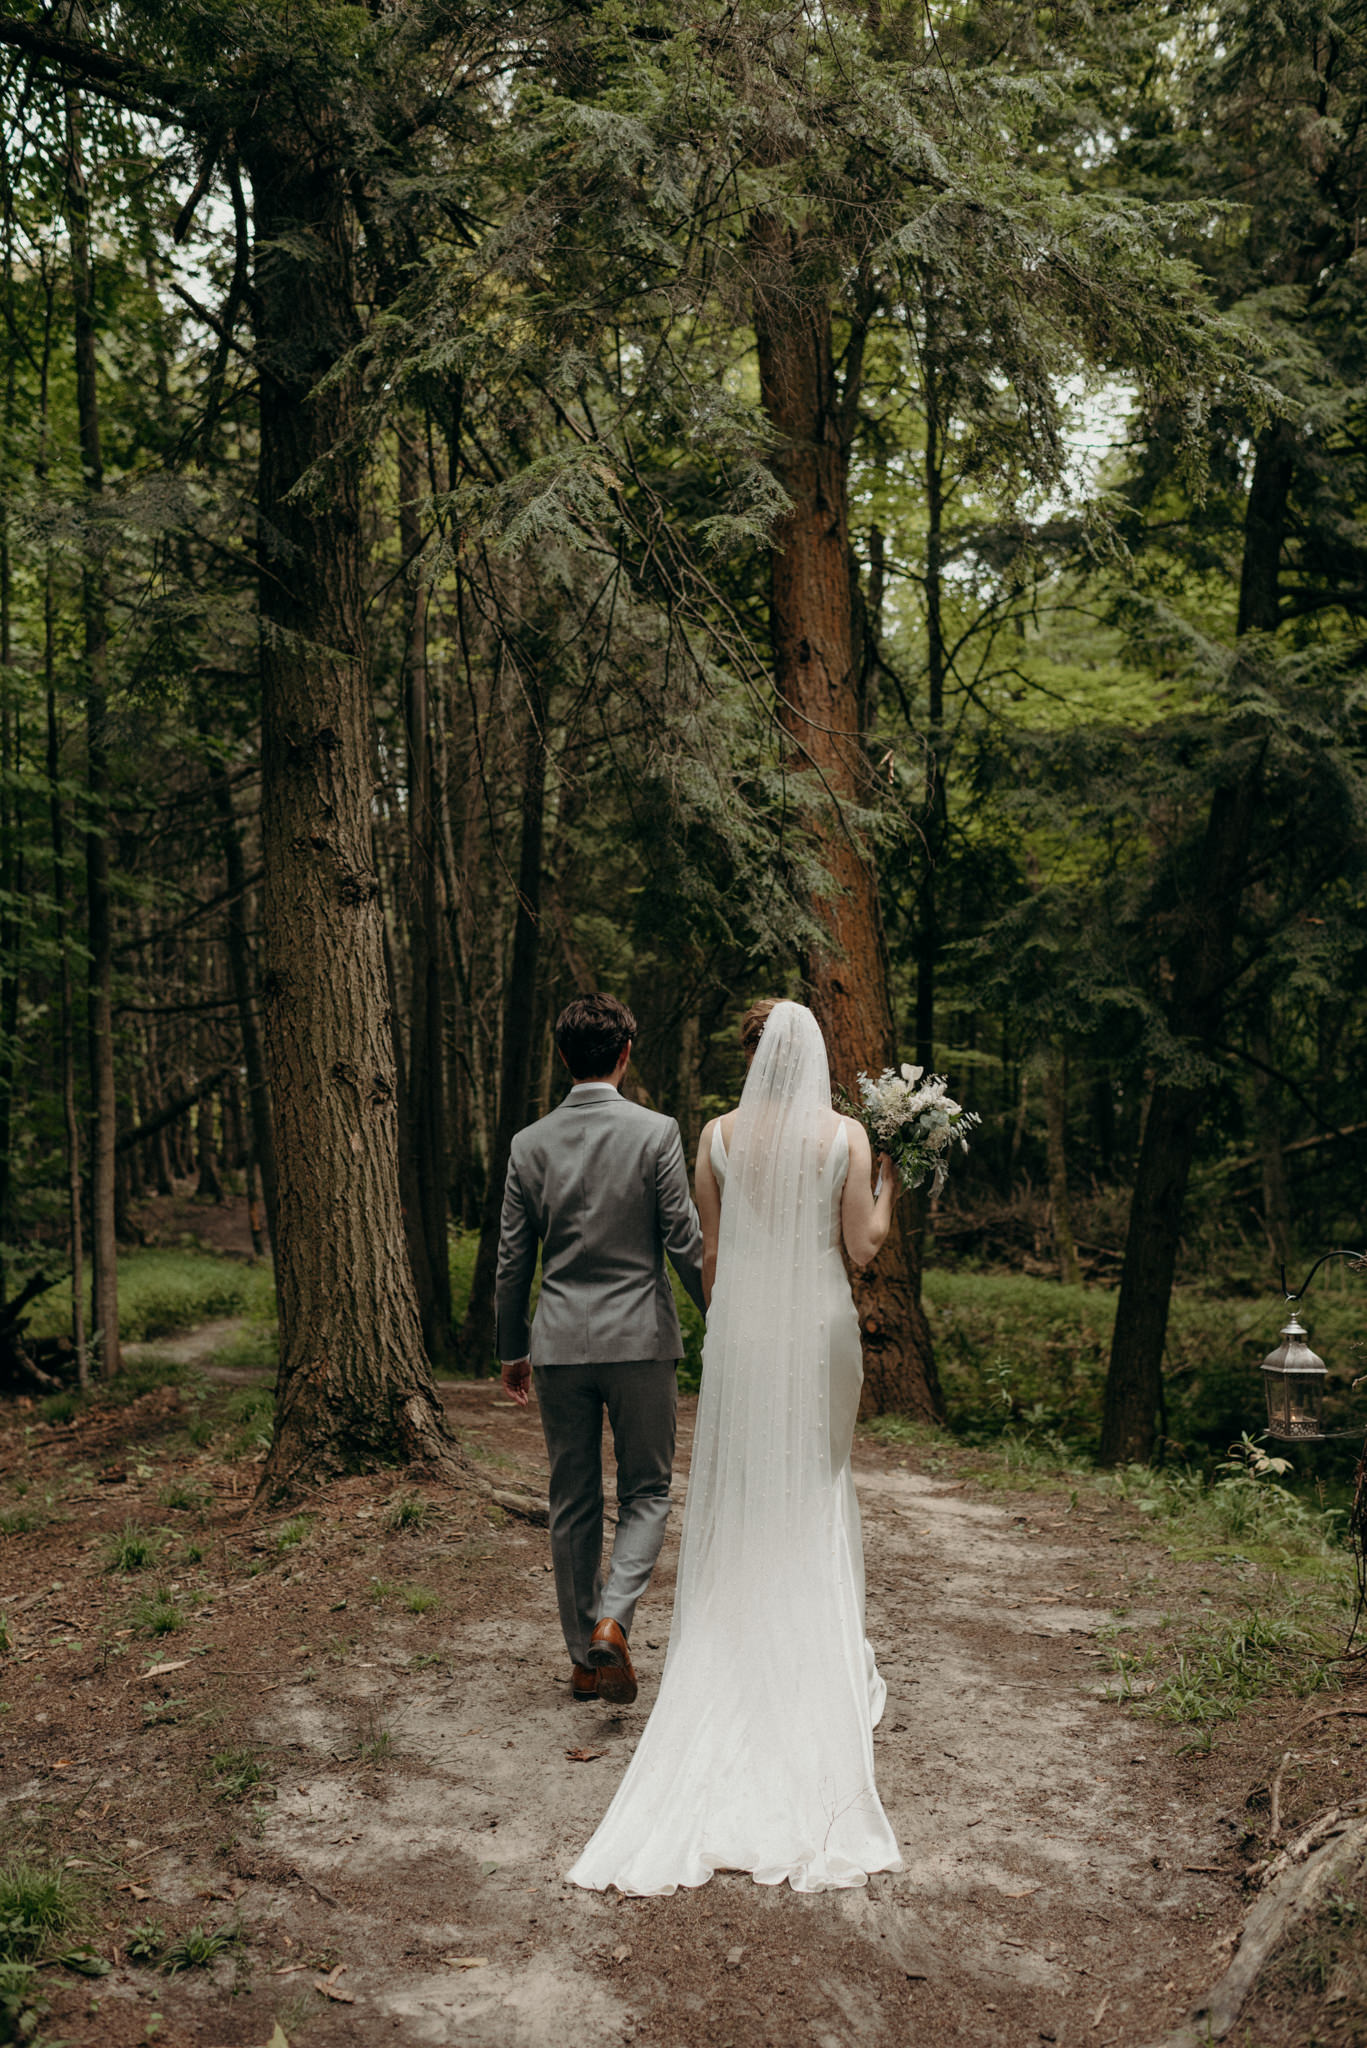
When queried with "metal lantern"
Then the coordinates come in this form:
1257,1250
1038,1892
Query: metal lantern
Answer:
1293,1380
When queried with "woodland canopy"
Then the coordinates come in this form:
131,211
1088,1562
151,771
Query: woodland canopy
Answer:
701,501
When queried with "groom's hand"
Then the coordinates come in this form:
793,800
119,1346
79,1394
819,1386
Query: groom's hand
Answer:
517,1377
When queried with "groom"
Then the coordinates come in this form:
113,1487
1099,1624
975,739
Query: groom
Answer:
602,1184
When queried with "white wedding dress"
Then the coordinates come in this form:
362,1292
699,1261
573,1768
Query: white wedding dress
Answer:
758,1755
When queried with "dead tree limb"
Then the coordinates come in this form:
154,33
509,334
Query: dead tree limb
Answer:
1296,1893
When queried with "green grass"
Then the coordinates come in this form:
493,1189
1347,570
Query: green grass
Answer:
255,1349
1237,1508
235,1772
409,1511
420,1599
294,1532
20,1521
375,1747
246,1419
1221,1668
39,1904
6,1639
132,1550
158,1614
164,1292
183,1495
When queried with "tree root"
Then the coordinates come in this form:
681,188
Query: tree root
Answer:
1296,1892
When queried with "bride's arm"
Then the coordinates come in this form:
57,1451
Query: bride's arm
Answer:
865,1222
707,1195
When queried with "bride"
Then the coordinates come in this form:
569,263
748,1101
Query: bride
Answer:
758,1755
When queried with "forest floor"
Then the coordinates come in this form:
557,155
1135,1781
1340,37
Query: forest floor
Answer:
328,1765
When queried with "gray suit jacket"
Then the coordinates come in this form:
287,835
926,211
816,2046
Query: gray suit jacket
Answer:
602,1184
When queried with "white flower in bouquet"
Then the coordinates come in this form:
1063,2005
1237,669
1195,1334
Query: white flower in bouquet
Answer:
912,1116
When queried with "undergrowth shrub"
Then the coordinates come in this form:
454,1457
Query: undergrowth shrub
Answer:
1241,1502
163,1292
1017,1352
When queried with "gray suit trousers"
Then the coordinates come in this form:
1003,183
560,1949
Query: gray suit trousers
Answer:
641,1397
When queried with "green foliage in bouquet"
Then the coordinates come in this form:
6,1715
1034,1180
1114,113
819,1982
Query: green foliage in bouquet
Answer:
912,1117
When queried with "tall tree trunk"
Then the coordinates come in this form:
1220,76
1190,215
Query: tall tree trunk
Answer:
71,1127
816,679
689,1095
934,820
104,1309
209,1186
244,989
11,873
425,910
355,1388
1267,1118
520,1021
1201,969
1056,1139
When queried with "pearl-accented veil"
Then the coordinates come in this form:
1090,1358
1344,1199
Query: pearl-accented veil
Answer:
758,1755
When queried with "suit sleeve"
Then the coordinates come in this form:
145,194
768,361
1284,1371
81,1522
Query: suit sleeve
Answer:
517,1242
679,1226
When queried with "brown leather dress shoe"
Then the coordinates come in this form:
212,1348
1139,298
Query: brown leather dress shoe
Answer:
583,1683
611,1660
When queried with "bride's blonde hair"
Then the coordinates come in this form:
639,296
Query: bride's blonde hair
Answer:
753,1022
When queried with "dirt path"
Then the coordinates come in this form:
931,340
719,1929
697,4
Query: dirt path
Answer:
1044,1896
357,1757
197,1347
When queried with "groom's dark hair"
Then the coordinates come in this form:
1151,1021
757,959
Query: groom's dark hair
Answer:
591,1032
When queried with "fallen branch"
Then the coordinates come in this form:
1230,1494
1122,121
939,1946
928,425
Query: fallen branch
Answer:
1276,1797
1330,1714
179,1106
1297,1892
36,1284
525,1504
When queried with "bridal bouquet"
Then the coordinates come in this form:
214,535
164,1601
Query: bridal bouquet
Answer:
912,1116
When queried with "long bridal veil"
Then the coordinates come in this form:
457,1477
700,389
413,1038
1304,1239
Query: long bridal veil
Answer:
758,1755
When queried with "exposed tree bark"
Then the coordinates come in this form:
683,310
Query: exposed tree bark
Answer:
99,912
689,1091
816,679
355,1388
71,1127
520,1022
240,967
426,1093
1267,1118
934,818
11,865
1056,1138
